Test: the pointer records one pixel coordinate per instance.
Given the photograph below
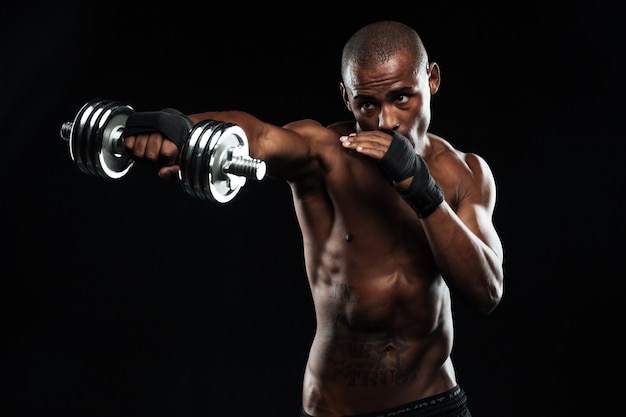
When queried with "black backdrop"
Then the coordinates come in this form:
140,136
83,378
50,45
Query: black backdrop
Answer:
210,313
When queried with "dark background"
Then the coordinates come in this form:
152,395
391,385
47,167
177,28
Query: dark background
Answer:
131,298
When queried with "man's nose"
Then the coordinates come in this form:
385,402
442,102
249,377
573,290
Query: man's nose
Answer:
387,119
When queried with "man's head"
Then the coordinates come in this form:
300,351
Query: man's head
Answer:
387,80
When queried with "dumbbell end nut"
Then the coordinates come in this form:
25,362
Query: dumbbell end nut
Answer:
66,131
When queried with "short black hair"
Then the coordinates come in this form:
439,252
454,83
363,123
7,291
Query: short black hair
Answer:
377,42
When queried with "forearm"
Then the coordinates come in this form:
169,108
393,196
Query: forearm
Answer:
257,132
249,123
282,148
472,266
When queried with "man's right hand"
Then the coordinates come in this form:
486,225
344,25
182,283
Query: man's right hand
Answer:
158,138
156,149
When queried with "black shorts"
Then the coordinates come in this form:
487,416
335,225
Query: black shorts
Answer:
452,403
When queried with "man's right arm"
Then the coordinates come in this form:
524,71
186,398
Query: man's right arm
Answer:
285,150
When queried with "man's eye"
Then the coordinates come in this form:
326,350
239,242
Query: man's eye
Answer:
402,99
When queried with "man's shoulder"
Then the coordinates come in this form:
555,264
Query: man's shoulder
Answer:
442,155
439,147
308,127
343,128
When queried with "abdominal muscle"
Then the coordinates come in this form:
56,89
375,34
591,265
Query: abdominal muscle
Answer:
384,327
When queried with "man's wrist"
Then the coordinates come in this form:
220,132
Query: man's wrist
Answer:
424,195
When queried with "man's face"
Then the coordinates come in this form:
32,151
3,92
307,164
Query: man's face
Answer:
394,96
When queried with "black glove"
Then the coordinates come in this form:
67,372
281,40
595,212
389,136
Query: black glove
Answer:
401,162
173,124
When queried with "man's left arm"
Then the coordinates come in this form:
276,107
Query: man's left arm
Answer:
464,241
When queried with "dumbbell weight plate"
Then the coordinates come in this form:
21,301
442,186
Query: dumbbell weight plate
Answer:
231,142
204,161
95,141
192,170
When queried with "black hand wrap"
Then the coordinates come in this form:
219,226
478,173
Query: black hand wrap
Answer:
173,124
399,163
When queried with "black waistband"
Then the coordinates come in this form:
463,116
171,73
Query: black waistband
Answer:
451,401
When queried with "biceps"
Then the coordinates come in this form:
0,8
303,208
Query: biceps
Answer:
287,153
478,218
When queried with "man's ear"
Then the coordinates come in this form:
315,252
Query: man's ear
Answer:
434,77
344,96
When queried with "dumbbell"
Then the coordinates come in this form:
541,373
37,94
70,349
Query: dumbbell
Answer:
214,160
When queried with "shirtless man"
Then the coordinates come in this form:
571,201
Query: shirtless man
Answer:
394,220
